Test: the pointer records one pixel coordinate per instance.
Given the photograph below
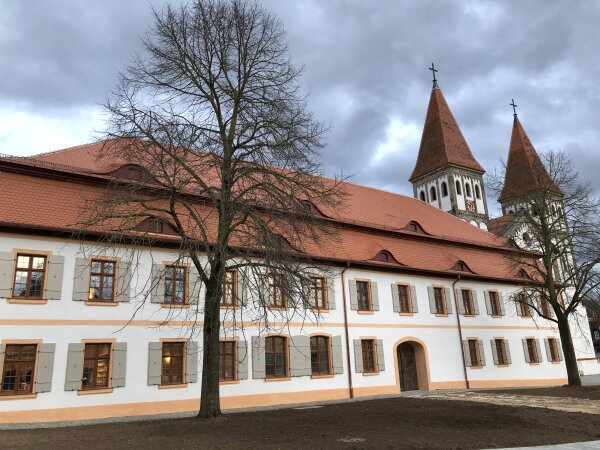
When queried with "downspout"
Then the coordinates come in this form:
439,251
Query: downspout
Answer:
460,336
350,388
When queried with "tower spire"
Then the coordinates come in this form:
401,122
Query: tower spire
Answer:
433,71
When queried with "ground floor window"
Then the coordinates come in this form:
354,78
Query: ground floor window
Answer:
319,355
368,356
474,353
17,373
276,357
553,347
172,363
227,360
501,352
532,351
96,365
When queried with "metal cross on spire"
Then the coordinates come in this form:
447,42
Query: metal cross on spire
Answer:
433,71
514,107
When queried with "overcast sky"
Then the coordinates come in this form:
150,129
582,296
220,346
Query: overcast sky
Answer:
365,69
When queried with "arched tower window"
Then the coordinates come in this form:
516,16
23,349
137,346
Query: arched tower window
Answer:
477,192
422,195
458,188
468,189
433,193
444,189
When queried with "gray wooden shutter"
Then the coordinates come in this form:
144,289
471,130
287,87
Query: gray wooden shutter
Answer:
432,306
467,353
299,356
74,367
374,296
414,301
54,276
558,346
337,360
331,294
525,352
154,363
2,351
548,352
243,288
119,365
7,265
264,291
380,355
124,282
488,303
242,360
507,349
518,308
353,296
461,302
45,367
81,280
258,357
395,298
448,301
501,301
475,302
539,352
157,284
358,361
481,352
494,351
194,285
191,362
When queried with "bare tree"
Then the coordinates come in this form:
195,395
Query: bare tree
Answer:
558,222
213,114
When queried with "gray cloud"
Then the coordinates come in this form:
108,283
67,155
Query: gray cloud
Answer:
365,69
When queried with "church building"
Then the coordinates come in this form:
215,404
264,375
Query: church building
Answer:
417,297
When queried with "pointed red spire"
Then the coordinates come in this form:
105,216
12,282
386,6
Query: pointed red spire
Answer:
442,142
524,171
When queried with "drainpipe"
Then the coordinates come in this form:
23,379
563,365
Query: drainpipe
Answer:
350,388
460,336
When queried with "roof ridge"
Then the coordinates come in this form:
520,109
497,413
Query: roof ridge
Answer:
73,147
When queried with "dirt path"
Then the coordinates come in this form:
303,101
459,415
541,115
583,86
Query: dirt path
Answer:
568,404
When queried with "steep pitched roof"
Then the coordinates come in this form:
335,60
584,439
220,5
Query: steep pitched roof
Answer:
442,142
524,170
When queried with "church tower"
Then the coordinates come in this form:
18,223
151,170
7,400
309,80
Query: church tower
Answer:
446,174
525,171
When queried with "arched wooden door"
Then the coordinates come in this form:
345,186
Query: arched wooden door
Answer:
407,367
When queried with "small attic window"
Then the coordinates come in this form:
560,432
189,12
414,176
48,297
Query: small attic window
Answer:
461,266
414,227
134,172
522,274
385,256
526,237
155,226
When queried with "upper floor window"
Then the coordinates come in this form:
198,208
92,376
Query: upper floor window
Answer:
17,373
172,363
276,358
29,276
102,281
363,295
444,189
277,296
467,300
319,355
229,297
175,281
458,188
477,192
96,365
546,308
440,300
524,308
319,293
495,308
433,194
404,298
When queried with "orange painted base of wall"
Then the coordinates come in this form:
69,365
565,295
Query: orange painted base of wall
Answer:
240,401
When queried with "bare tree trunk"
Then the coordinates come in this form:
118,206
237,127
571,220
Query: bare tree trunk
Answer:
210,405
569,351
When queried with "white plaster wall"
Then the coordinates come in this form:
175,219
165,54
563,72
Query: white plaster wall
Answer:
439,334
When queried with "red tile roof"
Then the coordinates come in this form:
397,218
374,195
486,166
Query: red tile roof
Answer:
374,219
442,142
524,170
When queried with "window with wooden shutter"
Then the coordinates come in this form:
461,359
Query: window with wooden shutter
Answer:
229,297
320,359
319,293
29,276
175,285
96,366
467,302
440,300
475,357
102,281
173,354
276,357
404,299
227,360
18,369
363,295
494,299
368,356
532,350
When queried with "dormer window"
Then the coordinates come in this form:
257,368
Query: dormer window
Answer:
155,226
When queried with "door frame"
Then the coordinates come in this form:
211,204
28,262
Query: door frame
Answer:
421,360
